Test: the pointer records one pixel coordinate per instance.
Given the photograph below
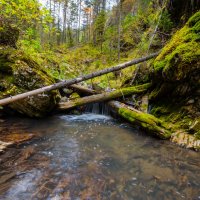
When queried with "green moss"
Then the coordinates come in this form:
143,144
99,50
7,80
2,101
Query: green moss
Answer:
180,55
148,122
160,110
154,93
176,118
197,135
74,96
130,90
194,19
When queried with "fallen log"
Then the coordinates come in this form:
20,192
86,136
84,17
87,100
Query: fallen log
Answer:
65,83
83,90
104,96
148,122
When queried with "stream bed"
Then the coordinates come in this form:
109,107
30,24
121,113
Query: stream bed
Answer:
93,157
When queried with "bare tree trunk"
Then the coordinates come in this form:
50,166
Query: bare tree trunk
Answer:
50,25
59,29
75,80
79,20
119,28
64,22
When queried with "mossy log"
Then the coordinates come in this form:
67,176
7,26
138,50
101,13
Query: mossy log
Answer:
148,122
104,96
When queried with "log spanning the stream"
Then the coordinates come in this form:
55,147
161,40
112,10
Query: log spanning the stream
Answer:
79,79
104,96
148,122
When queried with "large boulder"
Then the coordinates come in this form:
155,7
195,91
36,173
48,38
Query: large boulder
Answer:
176,71
19,74
176,78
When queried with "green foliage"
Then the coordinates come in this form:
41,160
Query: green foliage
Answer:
34,45
165,24
99,26
28,16
197,135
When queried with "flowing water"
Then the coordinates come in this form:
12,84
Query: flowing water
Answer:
95,157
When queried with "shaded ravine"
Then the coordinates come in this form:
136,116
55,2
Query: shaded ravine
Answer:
93,156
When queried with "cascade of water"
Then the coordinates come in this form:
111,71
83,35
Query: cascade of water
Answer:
98,108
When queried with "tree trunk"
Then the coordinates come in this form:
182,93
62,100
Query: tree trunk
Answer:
119,28
104,96
64,21
83,90
75,80
79,20
148,122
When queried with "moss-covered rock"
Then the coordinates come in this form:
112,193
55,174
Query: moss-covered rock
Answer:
176,81
19,74
181,55
176,71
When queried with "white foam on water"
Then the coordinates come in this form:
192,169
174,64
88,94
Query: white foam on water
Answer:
86,117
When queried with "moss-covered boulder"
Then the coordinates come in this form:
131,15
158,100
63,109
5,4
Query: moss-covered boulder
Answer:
176,71
176,79
19,74
180,57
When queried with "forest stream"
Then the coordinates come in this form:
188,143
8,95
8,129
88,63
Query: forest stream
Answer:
99,99
92,156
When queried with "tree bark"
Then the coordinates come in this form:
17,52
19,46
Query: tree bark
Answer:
104,96
75,80
148,122
119,2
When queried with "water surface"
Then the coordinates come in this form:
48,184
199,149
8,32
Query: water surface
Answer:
95,157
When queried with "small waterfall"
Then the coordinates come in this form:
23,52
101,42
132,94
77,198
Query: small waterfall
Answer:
98,108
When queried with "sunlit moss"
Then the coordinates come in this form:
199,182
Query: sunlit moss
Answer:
148,122
182,52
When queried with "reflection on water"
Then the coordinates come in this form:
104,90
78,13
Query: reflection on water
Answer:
95,157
